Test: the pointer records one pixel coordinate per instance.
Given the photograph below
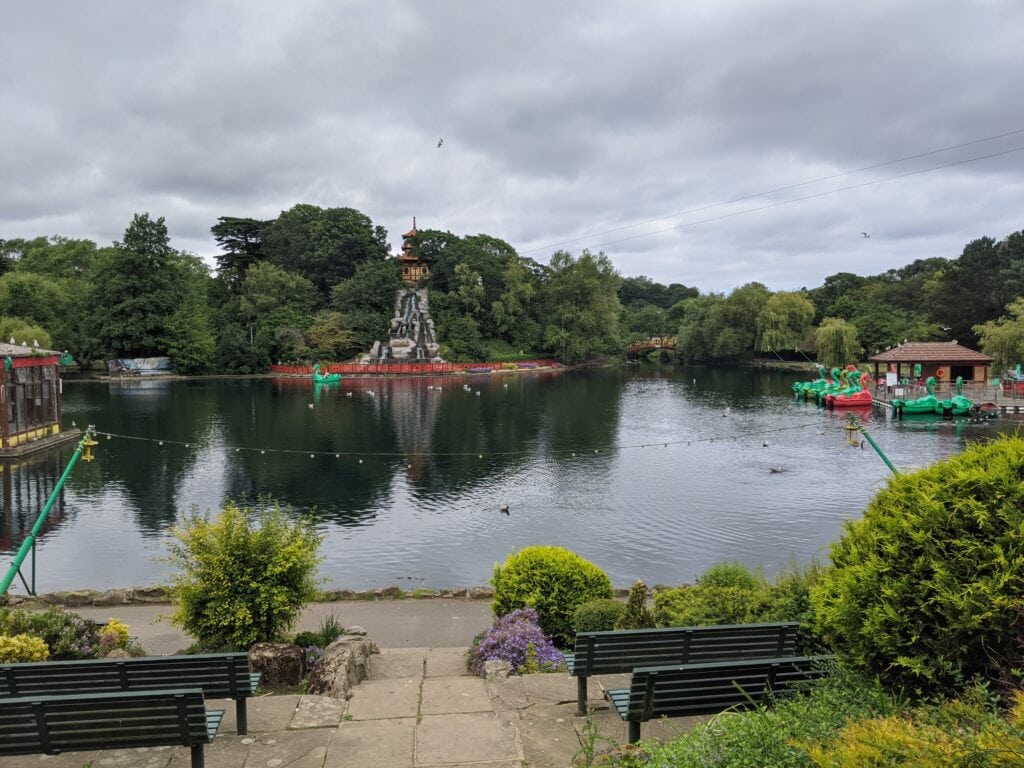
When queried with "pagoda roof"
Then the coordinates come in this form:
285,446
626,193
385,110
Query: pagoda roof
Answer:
931,352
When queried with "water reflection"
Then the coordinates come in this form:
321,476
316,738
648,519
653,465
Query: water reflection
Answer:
651,472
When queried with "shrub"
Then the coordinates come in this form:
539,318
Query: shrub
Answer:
22,648
67,635
518,639
243,577
597,615
112,636
637,615
701,606
789,599
307,639
731,575
551,580
967,732
773,736
927,590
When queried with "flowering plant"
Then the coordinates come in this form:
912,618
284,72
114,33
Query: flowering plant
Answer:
518,639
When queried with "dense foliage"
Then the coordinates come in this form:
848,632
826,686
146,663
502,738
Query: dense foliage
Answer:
636,615
517,639
243,576
20,648
67,635
598,615
776,736
318,283
927,589
554,582
731,593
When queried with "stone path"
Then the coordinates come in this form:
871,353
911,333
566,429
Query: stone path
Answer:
419,709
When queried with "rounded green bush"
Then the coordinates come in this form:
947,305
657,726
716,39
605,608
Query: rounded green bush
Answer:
552,580
927,589
598,615
730,575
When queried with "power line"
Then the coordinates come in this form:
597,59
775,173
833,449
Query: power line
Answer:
786,188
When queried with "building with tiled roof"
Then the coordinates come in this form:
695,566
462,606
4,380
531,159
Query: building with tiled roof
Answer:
941,359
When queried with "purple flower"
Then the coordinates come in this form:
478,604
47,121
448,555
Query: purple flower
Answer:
518,639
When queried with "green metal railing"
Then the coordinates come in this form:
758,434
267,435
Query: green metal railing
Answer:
29,544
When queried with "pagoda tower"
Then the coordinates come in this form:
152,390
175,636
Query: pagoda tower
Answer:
414,269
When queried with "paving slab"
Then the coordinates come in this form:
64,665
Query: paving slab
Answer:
294,749
67,760
264,713
446,662
224,752
464,738
397,663
554,687
377,699
445,695
509,693
318,712
377,743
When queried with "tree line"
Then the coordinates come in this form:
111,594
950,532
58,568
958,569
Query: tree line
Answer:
319,284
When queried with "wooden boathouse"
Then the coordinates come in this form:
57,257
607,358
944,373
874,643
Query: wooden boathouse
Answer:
30,396
945,360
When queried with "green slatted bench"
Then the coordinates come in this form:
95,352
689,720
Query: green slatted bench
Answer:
703,689
598,653
82,722
218,675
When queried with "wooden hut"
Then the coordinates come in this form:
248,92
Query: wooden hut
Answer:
945,360
30,396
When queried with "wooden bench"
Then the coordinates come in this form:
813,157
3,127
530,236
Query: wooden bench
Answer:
599,653
85,721
217,675
701,689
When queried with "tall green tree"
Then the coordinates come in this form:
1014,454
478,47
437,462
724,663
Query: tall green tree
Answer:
134,292
323,245
241,241
784,321
1003,338
581,307
837,342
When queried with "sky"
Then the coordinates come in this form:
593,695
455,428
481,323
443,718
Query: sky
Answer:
710,143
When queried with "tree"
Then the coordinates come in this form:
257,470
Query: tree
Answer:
324,245
784,321
190,339
582,307
330,338
242,243
134,292
268,289
837,342
513,314
1003,338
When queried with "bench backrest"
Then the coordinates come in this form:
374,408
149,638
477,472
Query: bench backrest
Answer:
623,651
219,675
52,724
699,689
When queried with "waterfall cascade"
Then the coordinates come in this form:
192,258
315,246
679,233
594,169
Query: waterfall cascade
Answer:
412,335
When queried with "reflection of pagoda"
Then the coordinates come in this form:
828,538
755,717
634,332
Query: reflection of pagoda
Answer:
414,270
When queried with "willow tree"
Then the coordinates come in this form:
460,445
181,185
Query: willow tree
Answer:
784,321
1003,338
837,342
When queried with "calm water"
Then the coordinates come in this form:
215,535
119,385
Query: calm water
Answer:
652,473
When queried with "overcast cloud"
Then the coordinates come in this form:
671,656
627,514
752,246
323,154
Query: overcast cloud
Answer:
654,131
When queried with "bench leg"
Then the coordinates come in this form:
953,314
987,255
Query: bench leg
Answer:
634,731
241,718
198,757
581,696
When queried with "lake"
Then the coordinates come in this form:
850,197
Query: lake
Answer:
651,472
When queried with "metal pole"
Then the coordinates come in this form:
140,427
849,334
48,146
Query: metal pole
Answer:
29,543
873,444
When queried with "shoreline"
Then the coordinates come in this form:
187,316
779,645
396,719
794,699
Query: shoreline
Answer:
161,594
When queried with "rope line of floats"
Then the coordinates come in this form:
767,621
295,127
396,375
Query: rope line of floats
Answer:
569,452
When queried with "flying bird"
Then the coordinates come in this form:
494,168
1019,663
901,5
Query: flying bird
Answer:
864,234
440,142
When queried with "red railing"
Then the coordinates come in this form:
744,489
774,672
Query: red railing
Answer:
407,369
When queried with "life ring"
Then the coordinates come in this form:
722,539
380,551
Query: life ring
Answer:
940,373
